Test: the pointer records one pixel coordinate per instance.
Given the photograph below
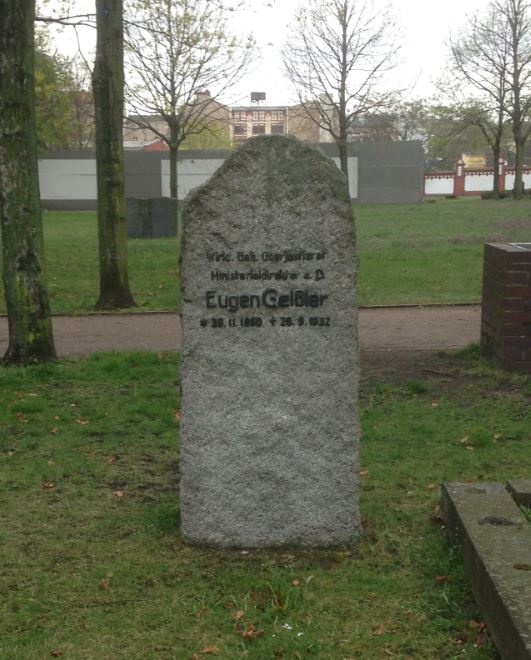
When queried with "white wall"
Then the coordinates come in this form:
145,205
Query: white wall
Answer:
68,179
509,181
190,174
193,173
73,179
478,182
439,186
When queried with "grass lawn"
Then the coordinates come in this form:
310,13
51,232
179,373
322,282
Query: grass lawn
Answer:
432,252
409,253
93,566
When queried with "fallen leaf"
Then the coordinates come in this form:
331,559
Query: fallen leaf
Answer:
380,630
21,418
296,583
104,584
56,654
410,493
48,485
477,625
238,615
177,414
364,473
464,440
444,579
432,486
251,632
195,656
54,430
119,493
202,612
57,418
83,422
210,650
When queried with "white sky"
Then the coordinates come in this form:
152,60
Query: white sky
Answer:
426,25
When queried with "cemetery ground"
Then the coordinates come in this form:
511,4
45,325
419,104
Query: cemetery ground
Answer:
409,254
93,565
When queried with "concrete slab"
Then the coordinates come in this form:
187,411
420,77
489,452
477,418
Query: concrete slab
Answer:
520,490
496,543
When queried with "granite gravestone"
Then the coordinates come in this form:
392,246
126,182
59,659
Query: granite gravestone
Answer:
269,368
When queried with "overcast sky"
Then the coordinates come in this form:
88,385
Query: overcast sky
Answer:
426,25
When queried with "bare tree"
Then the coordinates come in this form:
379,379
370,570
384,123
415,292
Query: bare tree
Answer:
28,309
176,51
515,34
478,81
336,59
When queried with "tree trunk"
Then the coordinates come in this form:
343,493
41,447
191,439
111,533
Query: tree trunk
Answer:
174,178
342,146
518,190
108,82
174,182
496,150
28,309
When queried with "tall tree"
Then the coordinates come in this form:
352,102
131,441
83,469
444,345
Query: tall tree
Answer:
479,79
108,84
28,309
515,34
176,51
336,58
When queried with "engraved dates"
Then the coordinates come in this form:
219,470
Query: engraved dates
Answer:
218,323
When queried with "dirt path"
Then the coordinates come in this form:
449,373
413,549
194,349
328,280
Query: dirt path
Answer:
381,329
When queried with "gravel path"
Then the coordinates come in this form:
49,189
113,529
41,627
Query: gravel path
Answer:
381,329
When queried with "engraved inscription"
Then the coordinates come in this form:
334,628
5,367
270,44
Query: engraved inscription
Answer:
298,297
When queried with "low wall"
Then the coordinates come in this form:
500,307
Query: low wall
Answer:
387,172
471,181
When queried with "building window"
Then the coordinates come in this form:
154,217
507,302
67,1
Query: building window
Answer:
259,115
238,115
277,128
258,129
277,115
240,129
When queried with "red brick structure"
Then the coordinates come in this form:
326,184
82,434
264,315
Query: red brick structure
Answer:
506,307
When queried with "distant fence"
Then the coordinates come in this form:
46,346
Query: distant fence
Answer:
463,181
379,173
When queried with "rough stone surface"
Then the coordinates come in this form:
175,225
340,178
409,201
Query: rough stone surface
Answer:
151,218
496,541
269,390
520,490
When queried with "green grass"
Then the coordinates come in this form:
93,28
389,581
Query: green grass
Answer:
93,566
432,252
71,241
409,253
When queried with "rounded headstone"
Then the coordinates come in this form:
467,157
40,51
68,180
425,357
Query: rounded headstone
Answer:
269,373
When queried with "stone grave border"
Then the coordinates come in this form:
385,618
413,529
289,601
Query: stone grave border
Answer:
495,538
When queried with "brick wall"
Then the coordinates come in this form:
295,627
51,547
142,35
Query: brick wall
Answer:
506,307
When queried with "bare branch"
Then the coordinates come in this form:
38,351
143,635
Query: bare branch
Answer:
336,58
